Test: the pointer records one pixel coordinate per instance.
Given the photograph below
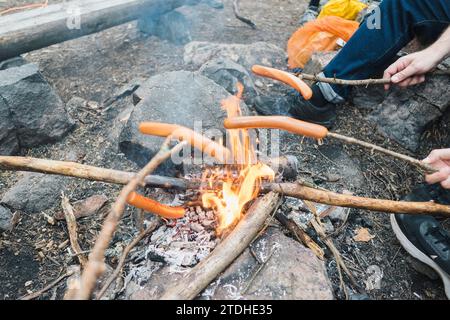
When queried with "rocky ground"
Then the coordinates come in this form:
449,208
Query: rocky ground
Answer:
95,75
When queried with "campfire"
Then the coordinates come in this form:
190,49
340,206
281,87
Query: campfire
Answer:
241,179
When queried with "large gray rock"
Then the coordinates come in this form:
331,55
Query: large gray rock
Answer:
405,114
172,26
30,110
342,166
319,61
227,74
180,97
9,143
368,98
263,53
5,219
35,192
292,273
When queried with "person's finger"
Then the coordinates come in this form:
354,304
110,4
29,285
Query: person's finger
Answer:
404,74
395,68
405,83
438,154
415,80
422,78
387,76
439,176
446,183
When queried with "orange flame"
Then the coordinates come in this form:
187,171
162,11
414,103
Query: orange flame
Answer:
240,181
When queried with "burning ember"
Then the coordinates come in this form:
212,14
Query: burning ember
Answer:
241,177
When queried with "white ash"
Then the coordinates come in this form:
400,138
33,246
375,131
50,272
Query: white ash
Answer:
186,242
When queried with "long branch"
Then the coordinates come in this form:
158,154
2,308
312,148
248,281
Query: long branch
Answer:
299,191
291,189
73,169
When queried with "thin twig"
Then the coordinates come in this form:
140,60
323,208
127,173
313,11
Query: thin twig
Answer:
317,225
72,228
96,265
301,235
154,224
419,164
363,82
262,265
45,289
239,16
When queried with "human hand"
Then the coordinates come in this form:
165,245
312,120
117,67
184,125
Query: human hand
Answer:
411,69
439,160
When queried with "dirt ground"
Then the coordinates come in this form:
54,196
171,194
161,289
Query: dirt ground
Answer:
93,67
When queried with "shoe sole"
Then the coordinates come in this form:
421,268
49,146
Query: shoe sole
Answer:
419,255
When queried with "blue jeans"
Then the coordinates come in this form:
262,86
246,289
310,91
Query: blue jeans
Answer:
372,50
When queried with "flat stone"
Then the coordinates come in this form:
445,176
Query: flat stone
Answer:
292,273
35,193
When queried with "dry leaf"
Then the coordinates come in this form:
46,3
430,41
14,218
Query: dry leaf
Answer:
363,235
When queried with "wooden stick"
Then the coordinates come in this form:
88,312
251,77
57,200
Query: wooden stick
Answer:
95,266
303,192
153,225
318,226
226,252
72,228
286,164
364,82
26,31
419,164
48,287
296,190
240,17
301,235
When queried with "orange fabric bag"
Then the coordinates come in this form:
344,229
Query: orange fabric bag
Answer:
318,35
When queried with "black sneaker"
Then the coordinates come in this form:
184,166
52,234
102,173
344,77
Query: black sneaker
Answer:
424,238
272,106
317,110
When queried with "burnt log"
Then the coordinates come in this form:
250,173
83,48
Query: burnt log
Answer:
35,29
226,252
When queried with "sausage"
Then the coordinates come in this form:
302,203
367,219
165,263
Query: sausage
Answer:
286,78
278,122
147,204
181,133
